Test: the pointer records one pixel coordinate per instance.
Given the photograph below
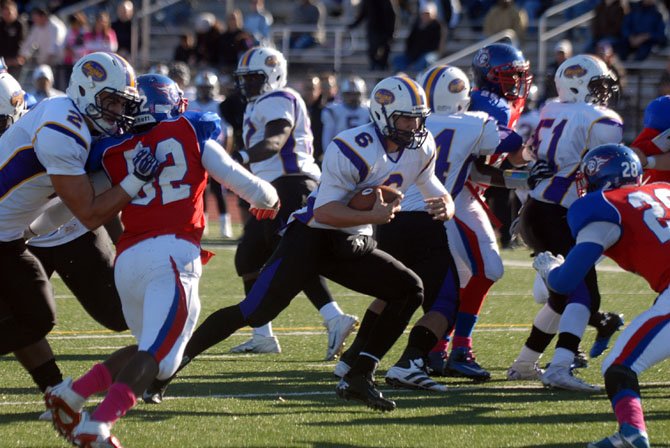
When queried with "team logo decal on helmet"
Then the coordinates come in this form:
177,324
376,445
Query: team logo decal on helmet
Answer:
271,61
17,98
594,164
93,70
574,71
456,86
483,58
384,97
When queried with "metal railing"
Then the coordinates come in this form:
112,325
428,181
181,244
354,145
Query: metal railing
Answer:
543,35
470,49
80,6
144,15
341,38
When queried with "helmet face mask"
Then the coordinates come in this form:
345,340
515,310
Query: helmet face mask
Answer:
102,86
586,79
398,109
607,167
503,70
514,79
260,64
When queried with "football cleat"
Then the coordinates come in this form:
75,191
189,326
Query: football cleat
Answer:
341,369
627,437
524,371
45,416
156,390
461,362
258,344
611,323
412,377
437,363
580,361
65,406
561,377
92,434
361,387
339,328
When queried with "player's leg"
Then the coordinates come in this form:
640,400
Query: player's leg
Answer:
86,266
641,345
476,240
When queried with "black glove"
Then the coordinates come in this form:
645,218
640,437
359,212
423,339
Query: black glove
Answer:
541,170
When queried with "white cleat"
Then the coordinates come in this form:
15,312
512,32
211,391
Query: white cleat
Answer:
560,377
65,406
258,344
341,369
413,377
524,371
339,328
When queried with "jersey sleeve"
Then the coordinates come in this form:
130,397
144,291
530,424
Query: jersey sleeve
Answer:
61,150
487,102
608,129
490,138
207,125
657,114
278,105
341,172
510,141
591,208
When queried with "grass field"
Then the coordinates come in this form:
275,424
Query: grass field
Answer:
288,400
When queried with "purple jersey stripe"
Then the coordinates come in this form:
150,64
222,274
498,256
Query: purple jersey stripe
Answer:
20,168
354,158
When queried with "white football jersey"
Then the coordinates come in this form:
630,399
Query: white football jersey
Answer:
337,117
460,139
565,132
297,155
210,106
355,160
52,138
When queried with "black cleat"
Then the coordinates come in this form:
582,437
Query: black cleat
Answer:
155,392
361,387
609,325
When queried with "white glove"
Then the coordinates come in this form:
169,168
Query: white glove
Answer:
546,262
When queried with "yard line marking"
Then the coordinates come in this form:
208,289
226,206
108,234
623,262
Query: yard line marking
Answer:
474,388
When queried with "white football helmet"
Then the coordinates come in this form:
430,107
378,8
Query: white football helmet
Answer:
206,85
447,89
394,97
585,79
101,73
353,89
12,103
260,70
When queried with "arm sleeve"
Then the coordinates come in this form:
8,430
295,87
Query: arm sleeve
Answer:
605,130
490,139
60,150
581,258
235,177
277,107
339,177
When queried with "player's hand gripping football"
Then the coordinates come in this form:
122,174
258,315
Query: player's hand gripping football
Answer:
545,262
441,208
383,212
145,164
265,213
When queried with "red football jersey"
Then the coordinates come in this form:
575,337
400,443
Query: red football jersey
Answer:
646,145
644,245
173,202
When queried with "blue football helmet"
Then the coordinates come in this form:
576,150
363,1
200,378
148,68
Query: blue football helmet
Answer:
657,114
161,99
608,166
503,70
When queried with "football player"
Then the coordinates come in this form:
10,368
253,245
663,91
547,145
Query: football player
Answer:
654,140
278,143
352,111
42,155
567,128
159,255
624,220
329,238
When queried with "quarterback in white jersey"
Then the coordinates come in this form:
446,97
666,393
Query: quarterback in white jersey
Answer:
567,129
350,112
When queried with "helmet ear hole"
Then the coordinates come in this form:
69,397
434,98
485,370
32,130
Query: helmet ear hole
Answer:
82,91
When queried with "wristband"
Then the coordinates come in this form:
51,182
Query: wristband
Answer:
651,163
132,185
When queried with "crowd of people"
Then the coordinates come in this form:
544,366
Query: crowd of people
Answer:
143,148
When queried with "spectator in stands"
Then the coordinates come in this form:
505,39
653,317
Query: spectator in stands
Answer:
381,20
476,10
207,39
122,26
607,23
45,39
643,28
311,92
309,13
605,51
503,15
258,22
234,41
329,87
562,51
423,43
181,74
102,37
664,81
43,81
13,30
74,41
185,50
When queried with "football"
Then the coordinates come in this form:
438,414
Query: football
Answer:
364,200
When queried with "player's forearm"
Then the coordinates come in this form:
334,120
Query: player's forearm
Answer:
265,149
337,214
581,259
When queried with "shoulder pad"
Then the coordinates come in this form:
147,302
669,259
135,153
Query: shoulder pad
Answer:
207,124
591,208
